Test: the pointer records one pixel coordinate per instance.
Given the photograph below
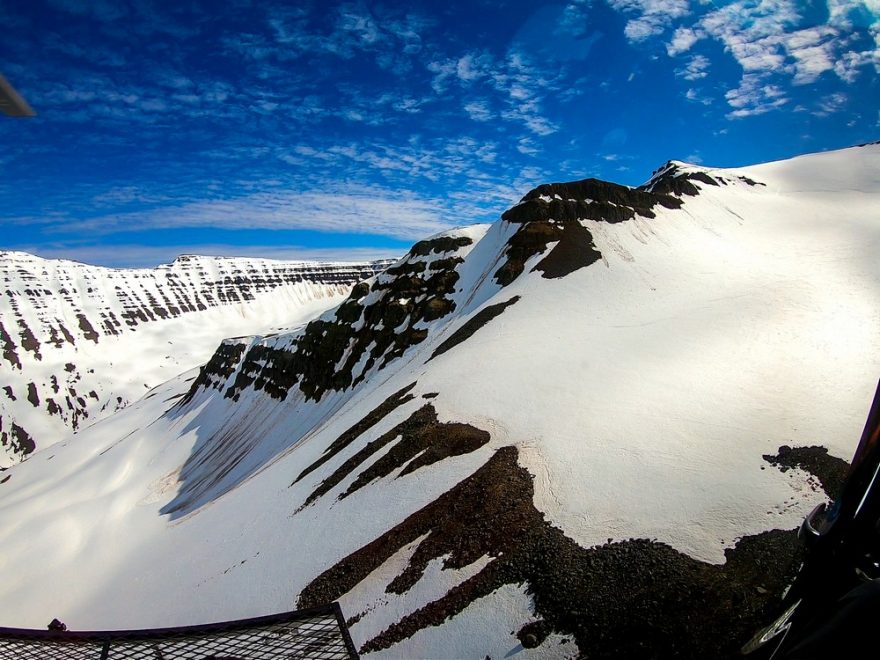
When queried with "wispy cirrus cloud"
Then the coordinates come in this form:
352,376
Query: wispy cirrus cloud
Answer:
361,210
515,81
767,38
754,96
830,104
696,96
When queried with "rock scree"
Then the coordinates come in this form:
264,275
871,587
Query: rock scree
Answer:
635,598
829,470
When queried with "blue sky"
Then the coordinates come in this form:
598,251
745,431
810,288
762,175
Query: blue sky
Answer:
350,130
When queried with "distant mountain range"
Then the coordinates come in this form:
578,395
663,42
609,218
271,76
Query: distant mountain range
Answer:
587,429
80,342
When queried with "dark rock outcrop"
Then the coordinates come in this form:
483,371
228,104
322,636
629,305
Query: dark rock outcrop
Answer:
829,470
374,326
633,598
423,440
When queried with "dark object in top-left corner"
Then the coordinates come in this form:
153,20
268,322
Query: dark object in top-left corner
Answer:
11,102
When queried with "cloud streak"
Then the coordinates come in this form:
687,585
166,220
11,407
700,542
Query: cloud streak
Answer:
365,211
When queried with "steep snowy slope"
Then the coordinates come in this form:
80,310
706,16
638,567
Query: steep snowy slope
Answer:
560,433
79,342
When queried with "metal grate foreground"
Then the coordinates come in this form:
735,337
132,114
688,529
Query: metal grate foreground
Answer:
316,634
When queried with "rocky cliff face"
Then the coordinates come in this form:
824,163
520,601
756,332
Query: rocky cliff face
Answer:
79,342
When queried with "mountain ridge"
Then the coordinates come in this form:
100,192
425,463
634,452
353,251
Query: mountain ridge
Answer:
54,341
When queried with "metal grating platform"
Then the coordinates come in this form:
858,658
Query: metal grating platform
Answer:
314,634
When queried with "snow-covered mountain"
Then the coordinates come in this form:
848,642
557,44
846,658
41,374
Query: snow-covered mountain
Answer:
587,428
80,342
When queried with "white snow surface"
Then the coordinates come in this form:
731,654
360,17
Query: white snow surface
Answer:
641,392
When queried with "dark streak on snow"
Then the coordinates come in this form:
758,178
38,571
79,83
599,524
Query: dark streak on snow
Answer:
552,213
86,328
67,336
672,179
530,239
588,199
16,439
633,598
32,396
369,420
440,245
9,352
423,441
28,341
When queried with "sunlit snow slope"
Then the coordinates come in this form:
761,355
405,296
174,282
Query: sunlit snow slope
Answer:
560,433
79,342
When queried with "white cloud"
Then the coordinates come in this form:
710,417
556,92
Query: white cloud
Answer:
466,69
574,17
520,84
831,104
472,66
653,17
813,51
695,96
682,40
478,110
848,64
695,69
311,152
408,105
762,37
361,24
443,72
842,12
765,38
527,147
754,96
810,63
